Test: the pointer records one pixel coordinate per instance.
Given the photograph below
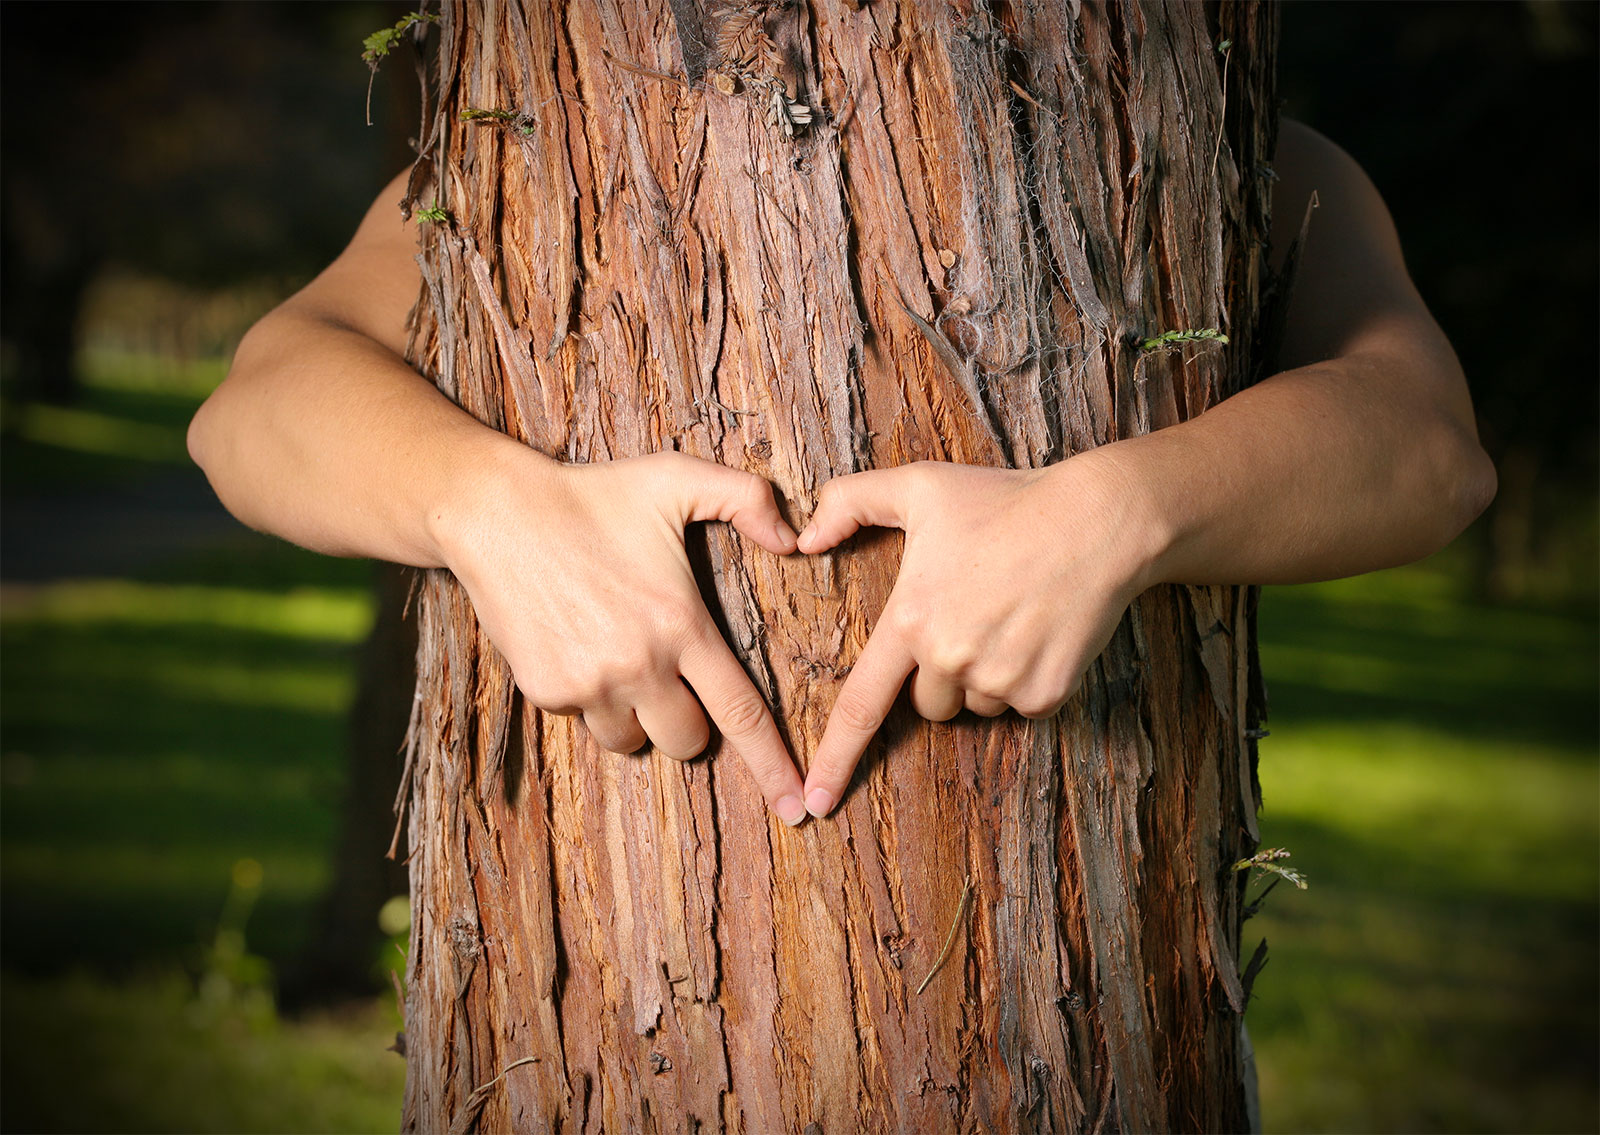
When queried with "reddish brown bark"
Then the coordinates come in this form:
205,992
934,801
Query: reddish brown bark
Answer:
954,260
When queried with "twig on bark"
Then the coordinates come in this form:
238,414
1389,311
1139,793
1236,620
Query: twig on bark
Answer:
1226,47
468,1115
950,938
846,113
662,76
378,45
1023,94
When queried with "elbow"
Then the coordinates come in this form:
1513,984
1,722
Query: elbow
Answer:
1467,483
214,446
1479,482
212,434
200,438
209,437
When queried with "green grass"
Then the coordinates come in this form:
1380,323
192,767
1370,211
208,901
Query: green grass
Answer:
1432,767
128,424
147,1055
158,729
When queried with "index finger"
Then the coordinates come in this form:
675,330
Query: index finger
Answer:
863,702
740,712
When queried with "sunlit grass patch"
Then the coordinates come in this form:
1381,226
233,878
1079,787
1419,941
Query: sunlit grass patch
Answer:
306,612
140,372
91,431
129,422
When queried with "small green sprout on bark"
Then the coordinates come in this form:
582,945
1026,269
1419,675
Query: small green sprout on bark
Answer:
494,116
384,40
1267,860
1169,339
432,215
378,45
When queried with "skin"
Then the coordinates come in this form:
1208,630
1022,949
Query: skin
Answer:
1361,455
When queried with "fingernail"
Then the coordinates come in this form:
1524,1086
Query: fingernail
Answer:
784,533
790,810
819,802
805,534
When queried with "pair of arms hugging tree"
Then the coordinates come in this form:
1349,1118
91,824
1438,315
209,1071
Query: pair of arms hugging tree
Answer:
1360,454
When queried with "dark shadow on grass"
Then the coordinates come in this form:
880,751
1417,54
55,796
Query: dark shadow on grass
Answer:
1469,670
1500,982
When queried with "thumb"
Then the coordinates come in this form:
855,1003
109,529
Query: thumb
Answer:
847,504
709,491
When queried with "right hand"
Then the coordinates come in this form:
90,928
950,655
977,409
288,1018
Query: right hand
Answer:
579,576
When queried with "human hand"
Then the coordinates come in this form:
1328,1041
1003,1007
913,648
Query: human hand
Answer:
579,576
1010,585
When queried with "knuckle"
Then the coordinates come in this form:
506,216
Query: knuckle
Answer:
856,713
664,469
681,620
1001,678
551,695
1042,697
630,666
526,683
583,690
743,713
757,489
952,656
909,619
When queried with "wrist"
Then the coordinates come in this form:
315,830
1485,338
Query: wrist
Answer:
481,483
1124,487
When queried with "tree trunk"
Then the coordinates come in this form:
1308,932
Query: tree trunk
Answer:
954,259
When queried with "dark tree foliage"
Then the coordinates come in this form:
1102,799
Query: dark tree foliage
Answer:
191,141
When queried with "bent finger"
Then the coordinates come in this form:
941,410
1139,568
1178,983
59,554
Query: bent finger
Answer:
934,695
864,701
746,501
673,719
849,503
615,728
739,711
984,705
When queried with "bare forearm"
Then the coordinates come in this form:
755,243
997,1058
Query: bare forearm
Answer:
328,439
1328,470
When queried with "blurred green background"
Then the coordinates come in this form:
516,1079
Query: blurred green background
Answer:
175,690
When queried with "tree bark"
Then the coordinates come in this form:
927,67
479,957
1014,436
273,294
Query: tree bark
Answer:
955,259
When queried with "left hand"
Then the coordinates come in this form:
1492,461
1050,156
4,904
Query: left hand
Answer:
1011,583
